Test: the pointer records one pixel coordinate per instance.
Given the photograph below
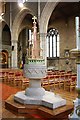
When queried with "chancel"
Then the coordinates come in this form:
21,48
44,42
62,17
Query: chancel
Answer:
40,60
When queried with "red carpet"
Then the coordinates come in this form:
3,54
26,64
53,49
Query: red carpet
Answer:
6,91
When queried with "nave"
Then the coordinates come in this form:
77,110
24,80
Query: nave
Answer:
34,36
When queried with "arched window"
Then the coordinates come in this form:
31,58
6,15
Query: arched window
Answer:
53,43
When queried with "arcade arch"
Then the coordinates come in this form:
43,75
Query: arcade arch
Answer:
5,47
22,21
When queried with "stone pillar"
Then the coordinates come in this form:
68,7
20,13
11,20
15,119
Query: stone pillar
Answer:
9,61
14,54
43,46
76,113
0,34
76,53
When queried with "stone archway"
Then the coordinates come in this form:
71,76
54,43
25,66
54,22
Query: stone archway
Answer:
15,33
3,23
1,28
5,43
16,24
4,59
45,16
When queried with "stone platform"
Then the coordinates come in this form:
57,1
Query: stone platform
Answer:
49,99
44,112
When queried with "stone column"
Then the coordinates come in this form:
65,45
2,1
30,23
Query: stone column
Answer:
0,34
9,61
76,53
76,113
14,54
43,46
42,34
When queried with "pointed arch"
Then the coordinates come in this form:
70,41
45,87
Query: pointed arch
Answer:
46,14
16,24
4,27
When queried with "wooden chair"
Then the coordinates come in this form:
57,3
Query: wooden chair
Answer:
57,72
62,70
69,71
17,78
11,76
67,78
51,81
6,77
73,82
49,72
61,81
2,76
56,81
45,82
24,83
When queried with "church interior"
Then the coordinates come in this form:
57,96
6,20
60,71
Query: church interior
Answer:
39,60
